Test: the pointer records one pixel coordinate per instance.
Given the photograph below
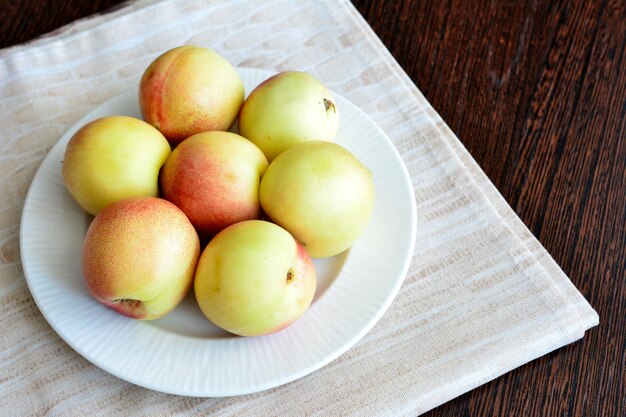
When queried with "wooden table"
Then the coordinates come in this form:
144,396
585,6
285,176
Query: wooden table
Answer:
536,90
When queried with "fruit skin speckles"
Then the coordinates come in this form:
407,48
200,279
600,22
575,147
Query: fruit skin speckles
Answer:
214,178
188,90
139,257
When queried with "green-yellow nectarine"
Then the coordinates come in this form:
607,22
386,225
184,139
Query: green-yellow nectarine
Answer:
286,109
321,193
253,279
112,159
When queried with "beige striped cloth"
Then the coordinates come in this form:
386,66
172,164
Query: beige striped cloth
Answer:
482,296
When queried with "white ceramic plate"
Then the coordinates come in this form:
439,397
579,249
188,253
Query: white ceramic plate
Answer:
183,353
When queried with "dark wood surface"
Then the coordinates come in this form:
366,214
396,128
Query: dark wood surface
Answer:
536,91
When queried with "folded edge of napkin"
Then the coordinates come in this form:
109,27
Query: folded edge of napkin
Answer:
576,318
587,315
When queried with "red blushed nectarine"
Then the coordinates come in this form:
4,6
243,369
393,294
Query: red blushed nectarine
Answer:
214,177
139,257
188,90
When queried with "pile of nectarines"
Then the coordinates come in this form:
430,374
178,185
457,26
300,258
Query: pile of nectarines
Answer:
154,207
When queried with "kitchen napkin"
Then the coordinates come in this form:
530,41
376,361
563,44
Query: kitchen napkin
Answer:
481,297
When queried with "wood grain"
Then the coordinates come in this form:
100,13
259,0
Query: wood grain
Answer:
23,20
536,91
